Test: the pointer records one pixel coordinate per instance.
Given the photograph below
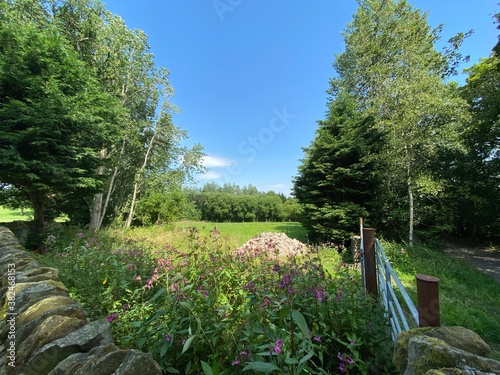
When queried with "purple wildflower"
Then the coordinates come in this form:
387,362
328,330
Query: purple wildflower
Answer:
287,279
278,346
235,362
168,337
320,294
112,316
342,368
317,338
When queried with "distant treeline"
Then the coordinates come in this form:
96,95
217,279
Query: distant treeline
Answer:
212,202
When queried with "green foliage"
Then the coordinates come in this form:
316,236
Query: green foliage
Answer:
53,116
233,203
162,208
467,296
391,67
337,179
203,309
477,172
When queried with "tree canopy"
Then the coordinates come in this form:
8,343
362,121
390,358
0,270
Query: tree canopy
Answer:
432,153
85,115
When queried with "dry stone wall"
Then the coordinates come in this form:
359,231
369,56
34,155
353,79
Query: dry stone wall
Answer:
43,331
443,351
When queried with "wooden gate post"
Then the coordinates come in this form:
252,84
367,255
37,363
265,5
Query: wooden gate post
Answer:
428,301
370,261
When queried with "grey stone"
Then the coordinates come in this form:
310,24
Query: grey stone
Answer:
137,362
71,311
37,274
461,338
51,329
28,294
41,307
427,353
83,340
70,365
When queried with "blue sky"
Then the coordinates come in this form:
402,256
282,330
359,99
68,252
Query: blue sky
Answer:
250,76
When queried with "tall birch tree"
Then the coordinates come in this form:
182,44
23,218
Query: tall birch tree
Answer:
391,66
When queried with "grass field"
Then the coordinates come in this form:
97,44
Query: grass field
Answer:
7,215
467,297
234,234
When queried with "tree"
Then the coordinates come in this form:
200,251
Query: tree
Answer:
54,117
478,172
123,64
337,178
393,70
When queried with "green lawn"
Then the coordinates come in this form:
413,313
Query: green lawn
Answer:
233,234
7,215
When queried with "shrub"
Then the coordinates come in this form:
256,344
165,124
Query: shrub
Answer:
204,309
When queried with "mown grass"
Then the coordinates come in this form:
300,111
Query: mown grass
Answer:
233,234
7,215
467,297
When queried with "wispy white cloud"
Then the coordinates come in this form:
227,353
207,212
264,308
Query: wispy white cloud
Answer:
216,162
209,176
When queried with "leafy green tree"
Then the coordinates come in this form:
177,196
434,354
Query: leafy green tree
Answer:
477,174
54,117
391,66
337,178
291,210
123,64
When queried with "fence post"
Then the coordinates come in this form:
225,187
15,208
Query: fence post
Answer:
370,261
428,301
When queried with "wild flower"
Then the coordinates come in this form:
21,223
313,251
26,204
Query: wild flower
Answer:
320,294
278,346
111,317
168,337
235,362
342,368
287,279
317,339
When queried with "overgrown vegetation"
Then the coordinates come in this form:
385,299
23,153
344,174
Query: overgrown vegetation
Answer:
402,144
198,307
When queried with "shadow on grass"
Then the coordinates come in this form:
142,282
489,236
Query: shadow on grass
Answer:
294,230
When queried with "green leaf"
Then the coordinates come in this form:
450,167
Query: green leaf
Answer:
207,370
307,357
284,312
158,294
301,322
186,305
163,349
187,344
261,367
291,361
171,370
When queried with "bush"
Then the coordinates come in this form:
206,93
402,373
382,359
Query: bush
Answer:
204,309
